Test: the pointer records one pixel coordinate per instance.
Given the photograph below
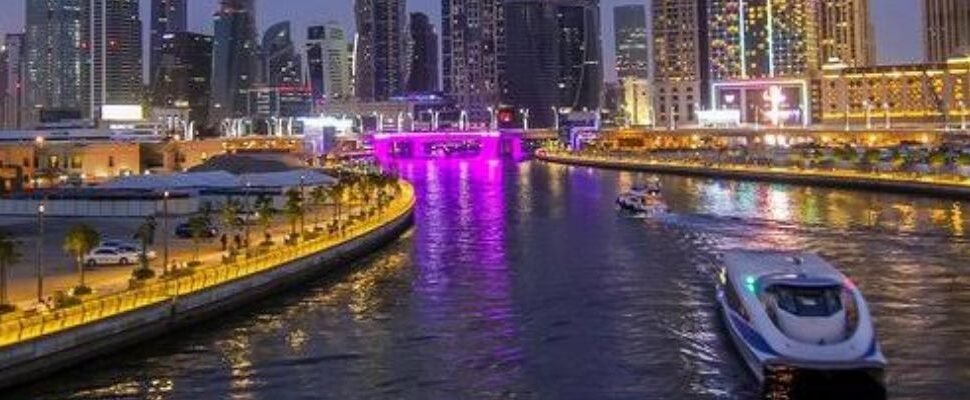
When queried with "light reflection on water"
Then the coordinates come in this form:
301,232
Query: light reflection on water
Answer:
520,281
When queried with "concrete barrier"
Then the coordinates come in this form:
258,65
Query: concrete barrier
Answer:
32,359
943,190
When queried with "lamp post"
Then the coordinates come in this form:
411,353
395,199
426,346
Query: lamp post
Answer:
847,127
868,107
249,211
889,121
525,118
165,231
302,202
672,119
555,113
492,119
963,115
41,210
411,118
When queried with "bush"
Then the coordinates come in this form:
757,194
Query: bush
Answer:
143,274
81,290
193,264
63,300
178,273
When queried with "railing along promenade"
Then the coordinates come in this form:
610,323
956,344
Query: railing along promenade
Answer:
23,327
933,184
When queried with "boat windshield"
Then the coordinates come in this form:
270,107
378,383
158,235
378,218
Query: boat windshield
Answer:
808,301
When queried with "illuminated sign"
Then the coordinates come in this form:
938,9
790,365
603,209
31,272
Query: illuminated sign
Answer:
118,112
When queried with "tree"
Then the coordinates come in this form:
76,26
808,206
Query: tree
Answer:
229,214
8,256
319,197
78,241
937,160
293,209
146,237
199,227
265,211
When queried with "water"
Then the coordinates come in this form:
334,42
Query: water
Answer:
520,281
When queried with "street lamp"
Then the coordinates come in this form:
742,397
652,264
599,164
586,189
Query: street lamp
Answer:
411,118
555,113
41,210
525,118
885,108
963,115
165,197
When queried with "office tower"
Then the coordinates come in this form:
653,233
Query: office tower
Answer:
234,58
423,55
329,63
111,48
53,56
846,32
472,43
185,74
680,60
632,53
552,57
637,101
754,39
947,24
167,16
380,61
282,64
12,70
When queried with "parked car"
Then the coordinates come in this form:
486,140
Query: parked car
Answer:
109,256
184,231
115,243
136,250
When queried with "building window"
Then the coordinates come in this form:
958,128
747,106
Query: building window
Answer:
76,162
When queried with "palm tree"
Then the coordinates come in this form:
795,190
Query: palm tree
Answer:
198,228
265,211
229,214
78,241
146,236
293,209
319,196
8,255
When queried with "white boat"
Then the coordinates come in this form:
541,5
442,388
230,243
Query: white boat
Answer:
643,199
793,316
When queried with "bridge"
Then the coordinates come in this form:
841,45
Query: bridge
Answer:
432,144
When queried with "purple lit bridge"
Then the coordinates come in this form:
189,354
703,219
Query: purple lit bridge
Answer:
438,144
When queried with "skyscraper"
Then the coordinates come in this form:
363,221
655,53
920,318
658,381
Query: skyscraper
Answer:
380,49
947,24
552,57
423,71
681,59
53,55
632,53
846,32
185,74
328,70
12,69
111,48
234,58
167,16
282,64
472,44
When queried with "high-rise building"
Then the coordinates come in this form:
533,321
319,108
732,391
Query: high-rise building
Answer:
167,16
53,56
423,55
763,53
111,48
380,49
632,53
472,43
12,70
185,74
947,24
552,57
328,63
846,32
681,65
282,64
234,59
637,101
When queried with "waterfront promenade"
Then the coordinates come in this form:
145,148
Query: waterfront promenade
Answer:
926,184
214,280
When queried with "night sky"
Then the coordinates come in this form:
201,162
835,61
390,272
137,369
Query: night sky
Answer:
898,27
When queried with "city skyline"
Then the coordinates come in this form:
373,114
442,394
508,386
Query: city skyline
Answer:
898,32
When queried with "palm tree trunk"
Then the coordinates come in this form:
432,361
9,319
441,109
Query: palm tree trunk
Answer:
80,265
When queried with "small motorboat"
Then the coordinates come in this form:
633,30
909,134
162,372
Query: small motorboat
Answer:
794,318
643,199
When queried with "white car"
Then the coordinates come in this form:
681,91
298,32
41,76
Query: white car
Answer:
109,256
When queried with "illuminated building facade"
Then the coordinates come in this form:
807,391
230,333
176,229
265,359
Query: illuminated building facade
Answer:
423,55
282,64
763,53
234,58
380,57
846,32
632,52
53,56
328,63
471,50
917,93
947,28
167,16
185,74
111,48
681,59
637,102
13,111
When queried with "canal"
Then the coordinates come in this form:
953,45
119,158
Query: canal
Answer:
521,281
